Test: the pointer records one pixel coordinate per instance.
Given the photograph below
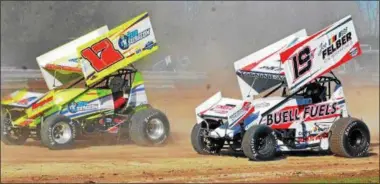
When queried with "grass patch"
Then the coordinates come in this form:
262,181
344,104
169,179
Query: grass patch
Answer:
370,179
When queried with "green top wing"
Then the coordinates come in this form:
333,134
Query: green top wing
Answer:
117,49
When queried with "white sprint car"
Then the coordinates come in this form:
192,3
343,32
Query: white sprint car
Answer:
310,111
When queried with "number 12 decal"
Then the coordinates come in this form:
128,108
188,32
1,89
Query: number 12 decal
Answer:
102,55
302,62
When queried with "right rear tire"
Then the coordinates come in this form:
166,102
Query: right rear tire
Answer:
149,127
259,143
349,137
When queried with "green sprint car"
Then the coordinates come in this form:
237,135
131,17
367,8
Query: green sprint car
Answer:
112,101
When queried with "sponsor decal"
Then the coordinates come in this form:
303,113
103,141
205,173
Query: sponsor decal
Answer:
260,75
316,129
75,107
222,109
312,138
132,37
74,60
237,115
271,68
262,105
283,116
149,45
293,114
336,43
354,52
320,110
26,101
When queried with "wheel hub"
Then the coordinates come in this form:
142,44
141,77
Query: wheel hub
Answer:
355,138
61,132
155,129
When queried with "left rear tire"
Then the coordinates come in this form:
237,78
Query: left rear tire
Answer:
9,134
203,145
58,132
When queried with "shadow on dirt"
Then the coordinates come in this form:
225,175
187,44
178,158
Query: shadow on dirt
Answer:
375,144
102,140
284,155
81,144
240,154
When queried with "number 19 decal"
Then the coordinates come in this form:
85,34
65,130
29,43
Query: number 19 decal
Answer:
302,62
102,55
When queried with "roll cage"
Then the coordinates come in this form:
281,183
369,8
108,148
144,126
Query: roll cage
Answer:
324,81
125,73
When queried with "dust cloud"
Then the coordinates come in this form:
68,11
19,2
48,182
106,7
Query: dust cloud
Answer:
211,34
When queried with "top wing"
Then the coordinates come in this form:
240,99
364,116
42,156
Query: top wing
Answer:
320,53
61,65
262,70
117,48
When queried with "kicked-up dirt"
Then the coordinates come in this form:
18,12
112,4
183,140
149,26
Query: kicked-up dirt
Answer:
105,161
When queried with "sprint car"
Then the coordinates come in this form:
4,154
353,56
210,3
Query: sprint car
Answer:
308,112
110,98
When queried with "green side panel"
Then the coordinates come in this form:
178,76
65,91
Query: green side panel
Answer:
52,110
103,92
137,80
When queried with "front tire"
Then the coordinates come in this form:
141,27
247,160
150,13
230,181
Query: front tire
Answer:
9,134
259,143
203,145
58,132
349,137
149,127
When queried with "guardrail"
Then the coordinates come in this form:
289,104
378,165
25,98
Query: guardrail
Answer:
154,79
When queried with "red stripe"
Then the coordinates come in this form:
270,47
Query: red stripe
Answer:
254,64
42,103
26,122
36,115
60,67
287,53
281,126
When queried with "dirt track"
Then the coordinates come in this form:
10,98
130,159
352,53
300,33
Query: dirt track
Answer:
177,162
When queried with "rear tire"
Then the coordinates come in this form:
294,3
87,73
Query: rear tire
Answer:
259,143
199,143
349,137
149,127
9,134
58,132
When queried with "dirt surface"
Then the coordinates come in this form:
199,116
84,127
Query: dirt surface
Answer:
104,161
